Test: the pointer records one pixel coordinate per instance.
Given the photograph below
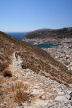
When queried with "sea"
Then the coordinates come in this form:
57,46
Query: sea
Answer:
18,35
48,45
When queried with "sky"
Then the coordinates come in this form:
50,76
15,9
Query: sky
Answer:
28,15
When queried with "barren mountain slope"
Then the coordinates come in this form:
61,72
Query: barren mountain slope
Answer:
29,75
33,58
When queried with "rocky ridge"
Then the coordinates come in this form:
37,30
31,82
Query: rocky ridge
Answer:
50,33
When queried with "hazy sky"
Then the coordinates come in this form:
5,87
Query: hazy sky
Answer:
26,15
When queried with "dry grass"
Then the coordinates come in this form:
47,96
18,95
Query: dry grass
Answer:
21,96
19,85
7,73
19,90
50,65
34,58
3,66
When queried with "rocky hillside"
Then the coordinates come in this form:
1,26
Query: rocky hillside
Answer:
33,58
50,33
30,76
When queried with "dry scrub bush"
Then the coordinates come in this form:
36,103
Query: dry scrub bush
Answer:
21,96
7,73
3,66
9,53
20,92
19,85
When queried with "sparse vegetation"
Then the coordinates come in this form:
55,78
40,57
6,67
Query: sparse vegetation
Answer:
21,96
7,73
19,85
40,60
20,91
13,86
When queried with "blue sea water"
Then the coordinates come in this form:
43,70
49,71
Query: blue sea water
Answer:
18,35
47,45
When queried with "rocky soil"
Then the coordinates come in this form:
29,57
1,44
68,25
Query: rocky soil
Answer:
63,53
31,78
27,89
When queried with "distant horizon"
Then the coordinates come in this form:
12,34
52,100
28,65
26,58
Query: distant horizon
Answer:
34,30
30,15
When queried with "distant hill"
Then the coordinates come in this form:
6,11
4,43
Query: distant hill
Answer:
33,58
50,33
